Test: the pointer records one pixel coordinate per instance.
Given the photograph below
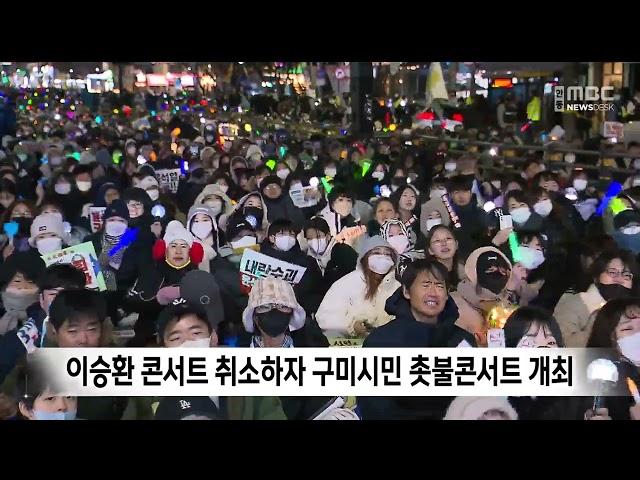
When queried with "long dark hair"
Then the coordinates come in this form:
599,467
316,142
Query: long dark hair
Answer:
520,321
453,278
374,279
607,319
599,265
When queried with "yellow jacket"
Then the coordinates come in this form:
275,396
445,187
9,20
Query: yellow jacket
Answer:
533,109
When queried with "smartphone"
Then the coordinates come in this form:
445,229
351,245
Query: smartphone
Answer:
506,222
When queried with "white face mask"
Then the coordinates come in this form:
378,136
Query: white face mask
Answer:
283,174
400,243
570,157
62,188
246,241
55,161
450,166
437,193
635,182
83,186
199,343
48,245
201,229
378,175
224,188
380,264
285,243
579,184
318,245
154,194
530,258
630,347
543,207
115,228
432,222
330,172
520,215
214,205
636,164
632,230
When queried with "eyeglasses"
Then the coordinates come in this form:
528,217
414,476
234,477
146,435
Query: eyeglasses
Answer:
627,275
135,205
273,306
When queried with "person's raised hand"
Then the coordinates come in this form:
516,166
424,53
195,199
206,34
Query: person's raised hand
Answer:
501,237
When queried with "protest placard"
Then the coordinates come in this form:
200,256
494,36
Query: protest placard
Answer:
84,258
96,217
256,265
169,178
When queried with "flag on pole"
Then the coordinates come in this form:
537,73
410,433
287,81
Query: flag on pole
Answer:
436,87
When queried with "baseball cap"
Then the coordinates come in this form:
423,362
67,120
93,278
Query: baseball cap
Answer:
180,408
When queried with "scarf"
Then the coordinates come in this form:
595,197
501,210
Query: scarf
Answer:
15,306
109,264
256,342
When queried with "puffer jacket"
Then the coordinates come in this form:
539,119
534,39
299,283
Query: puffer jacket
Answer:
261,230
345,303
575,314
472,301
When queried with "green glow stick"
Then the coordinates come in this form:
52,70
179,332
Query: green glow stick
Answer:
365,167
116,157
617,205
325,183
515,247
76,155
271,164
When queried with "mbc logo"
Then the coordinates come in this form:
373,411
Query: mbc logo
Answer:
580,94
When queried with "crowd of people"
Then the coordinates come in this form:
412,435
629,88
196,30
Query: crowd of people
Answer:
404,244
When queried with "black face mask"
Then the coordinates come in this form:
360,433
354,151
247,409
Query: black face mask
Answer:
24,225
274,322
255,212
494,282
614,290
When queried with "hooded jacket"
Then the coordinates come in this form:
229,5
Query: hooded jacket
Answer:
434,204
470,297
335,222
410,254
283,208
309,290
214,189
345,303
261,230
338,260
406,332
210,246
575,315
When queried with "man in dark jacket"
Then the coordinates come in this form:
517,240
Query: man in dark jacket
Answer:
281,243
474,220
425,317
279,203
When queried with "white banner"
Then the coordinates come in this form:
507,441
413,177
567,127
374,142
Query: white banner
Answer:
315,371
256,265
304,197
169,178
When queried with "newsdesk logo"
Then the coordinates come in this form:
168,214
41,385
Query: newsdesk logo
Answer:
580,98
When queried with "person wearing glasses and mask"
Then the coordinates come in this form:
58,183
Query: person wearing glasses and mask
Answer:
613,274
